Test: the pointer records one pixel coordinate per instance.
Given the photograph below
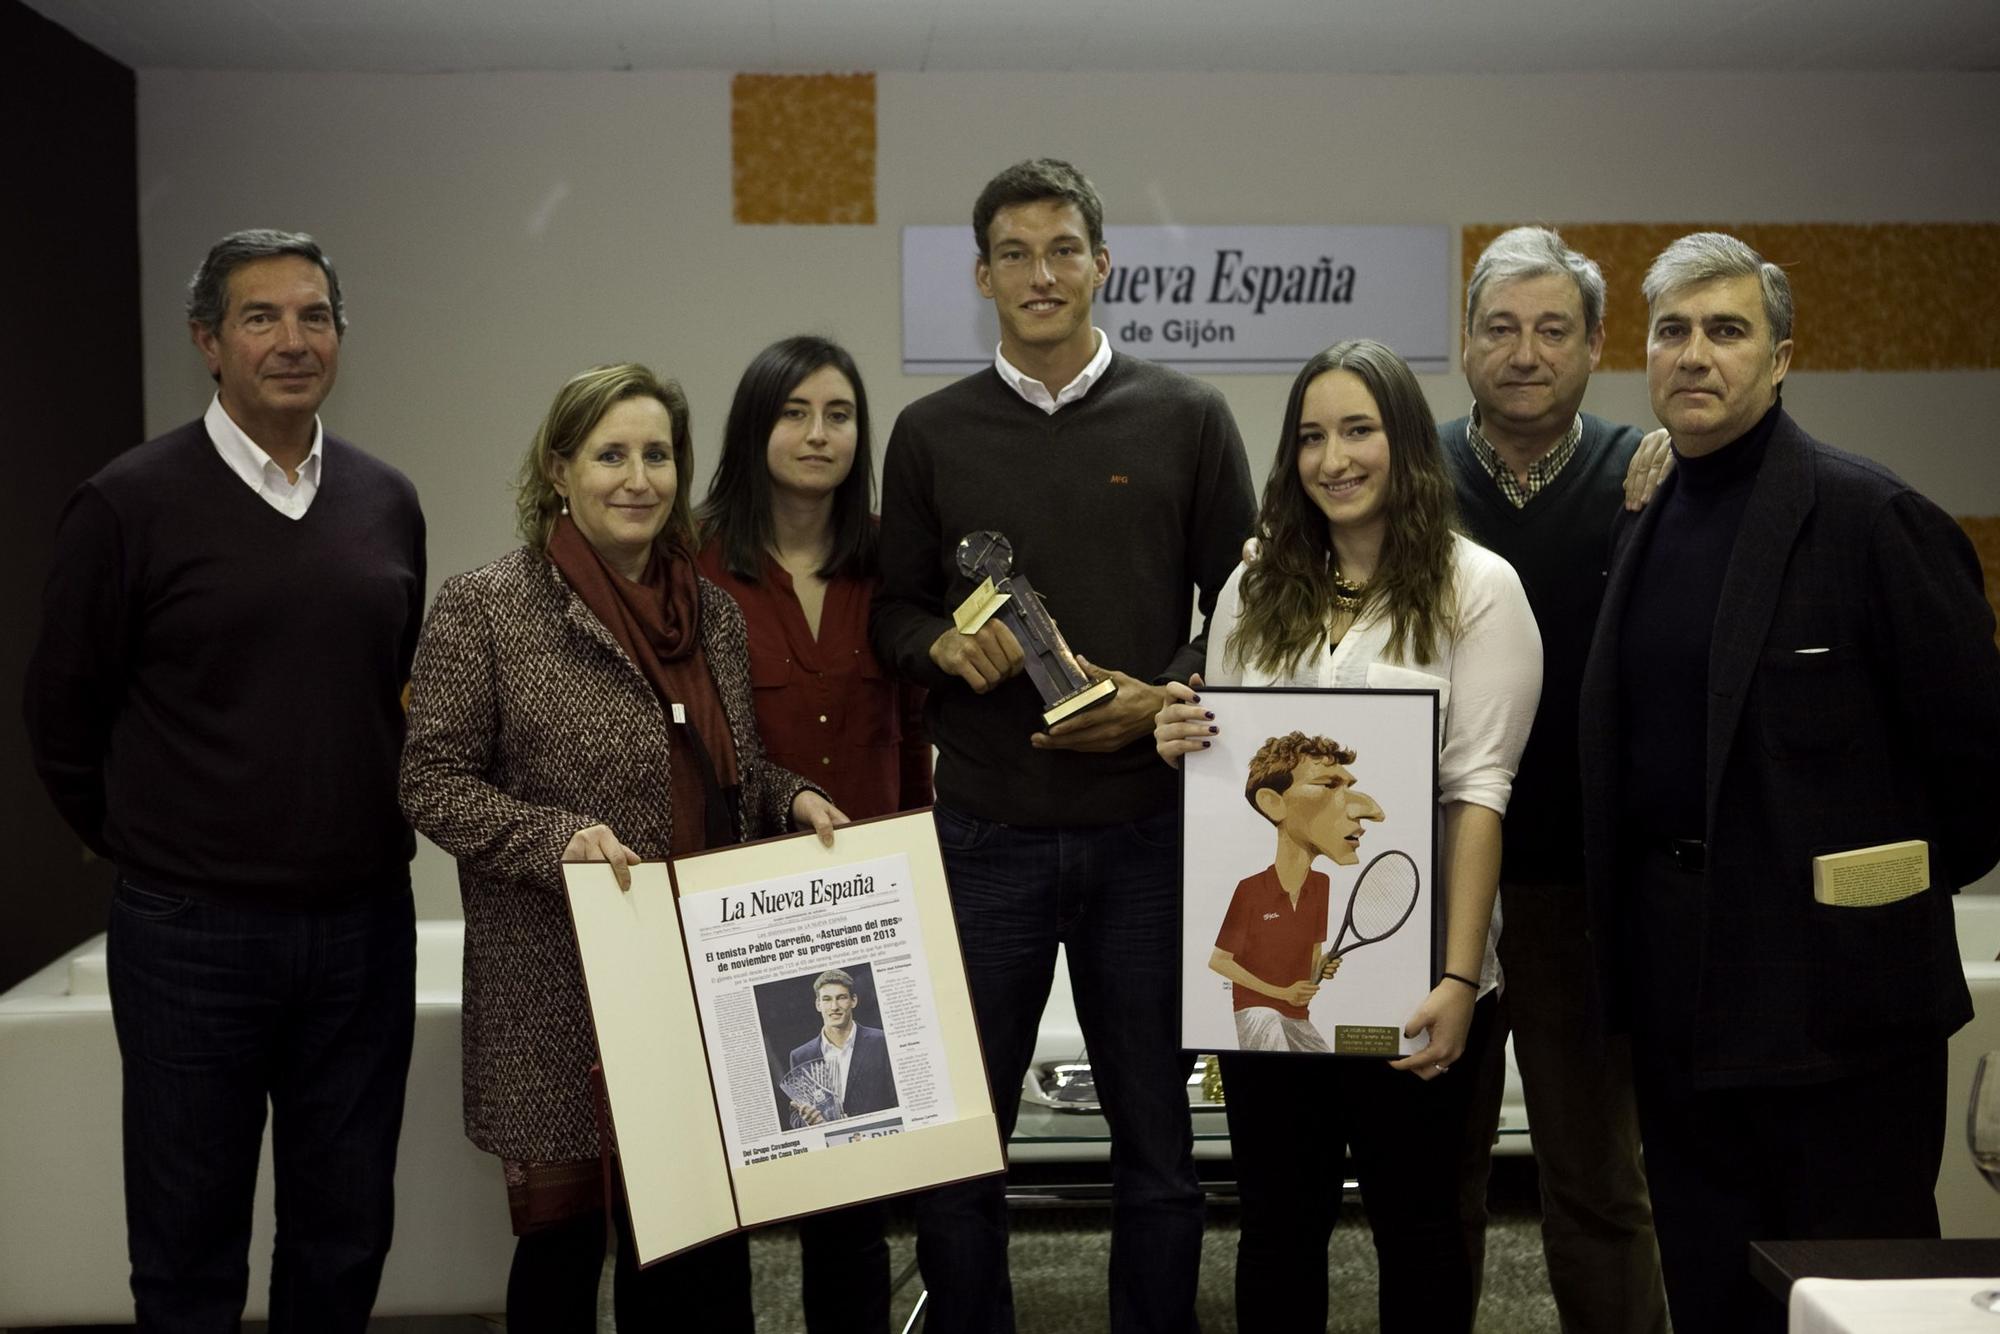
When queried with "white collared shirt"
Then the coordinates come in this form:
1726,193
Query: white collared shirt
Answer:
840,1058
1038,394
248,461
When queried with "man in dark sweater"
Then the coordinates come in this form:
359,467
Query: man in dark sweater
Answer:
1795,660
1540,483
214,706
1124,489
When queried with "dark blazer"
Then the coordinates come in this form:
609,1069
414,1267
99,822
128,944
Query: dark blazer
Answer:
870,1085
1891,733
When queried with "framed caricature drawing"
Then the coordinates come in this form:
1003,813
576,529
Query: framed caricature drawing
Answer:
1311,922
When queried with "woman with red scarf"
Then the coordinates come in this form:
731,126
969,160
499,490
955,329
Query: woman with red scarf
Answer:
584,698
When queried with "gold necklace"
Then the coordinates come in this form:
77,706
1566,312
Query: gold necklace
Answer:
1347,594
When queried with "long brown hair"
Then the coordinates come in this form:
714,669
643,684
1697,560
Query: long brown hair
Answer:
737,509
1288,594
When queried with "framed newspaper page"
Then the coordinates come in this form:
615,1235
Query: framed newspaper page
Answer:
785,1028
1311,922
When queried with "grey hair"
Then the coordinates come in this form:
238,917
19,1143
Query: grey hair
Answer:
1532,252
834,975
1705,256
208,289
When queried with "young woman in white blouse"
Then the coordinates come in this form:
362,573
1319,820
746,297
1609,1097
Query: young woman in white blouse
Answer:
1362,581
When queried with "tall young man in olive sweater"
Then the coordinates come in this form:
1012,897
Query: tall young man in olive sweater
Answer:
1542,483
214,705
1124,490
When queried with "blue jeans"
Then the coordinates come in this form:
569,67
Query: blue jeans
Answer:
219,1009
1110,895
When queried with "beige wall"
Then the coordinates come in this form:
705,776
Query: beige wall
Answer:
497,232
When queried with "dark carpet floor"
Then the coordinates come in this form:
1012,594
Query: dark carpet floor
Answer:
1058,1257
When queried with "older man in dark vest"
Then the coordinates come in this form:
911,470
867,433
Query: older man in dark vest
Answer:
1541,482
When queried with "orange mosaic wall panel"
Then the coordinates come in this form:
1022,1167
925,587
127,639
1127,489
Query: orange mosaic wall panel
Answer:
1985,533
803,148
1877,297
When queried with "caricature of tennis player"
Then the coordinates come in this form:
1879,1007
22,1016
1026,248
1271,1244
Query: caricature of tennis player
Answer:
1270,943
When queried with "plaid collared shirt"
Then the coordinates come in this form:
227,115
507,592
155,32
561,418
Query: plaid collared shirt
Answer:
1540,473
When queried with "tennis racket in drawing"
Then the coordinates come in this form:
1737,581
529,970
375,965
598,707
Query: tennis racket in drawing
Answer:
1383,898
811,1084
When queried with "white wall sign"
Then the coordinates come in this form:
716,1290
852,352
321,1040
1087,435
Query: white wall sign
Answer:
1208,299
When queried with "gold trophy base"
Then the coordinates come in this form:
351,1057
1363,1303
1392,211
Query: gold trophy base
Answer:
979,608
1091,695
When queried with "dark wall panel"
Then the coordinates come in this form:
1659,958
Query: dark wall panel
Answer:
70,399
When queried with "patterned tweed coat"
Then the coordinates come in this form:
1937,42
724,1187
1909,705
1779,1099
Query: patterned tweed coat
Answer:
528,723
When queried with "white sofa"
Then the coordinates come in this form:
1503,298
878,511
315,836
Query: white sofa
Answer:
62,1233
62,1220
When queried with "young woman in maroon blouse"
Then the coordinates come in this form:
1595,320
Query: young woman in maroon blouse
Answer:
787,531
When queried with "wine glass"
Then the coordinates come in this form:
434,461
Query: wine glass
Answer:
1982,1136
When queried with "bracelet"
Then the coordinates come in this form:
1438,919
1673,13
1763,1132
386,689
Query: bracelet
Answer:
1468,981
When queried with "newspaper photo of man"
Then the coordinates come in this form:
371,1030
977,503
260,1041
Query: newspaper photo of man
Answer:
843,1069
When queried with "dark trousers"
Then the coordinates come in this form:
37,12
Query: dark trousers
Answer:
552,1285
219,1010
844,1263
1597,1223
1850,1157
1110,895
1292,1119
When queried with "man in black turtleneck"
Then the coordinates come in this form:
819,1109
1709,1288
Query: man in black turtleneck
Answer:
1795,658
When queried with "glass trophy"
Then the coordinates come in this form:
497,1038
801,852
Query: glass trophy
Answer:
1003,594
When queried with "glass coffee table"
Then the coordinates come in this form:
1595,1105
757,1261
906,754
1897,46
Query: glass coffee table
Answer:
1060,1119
